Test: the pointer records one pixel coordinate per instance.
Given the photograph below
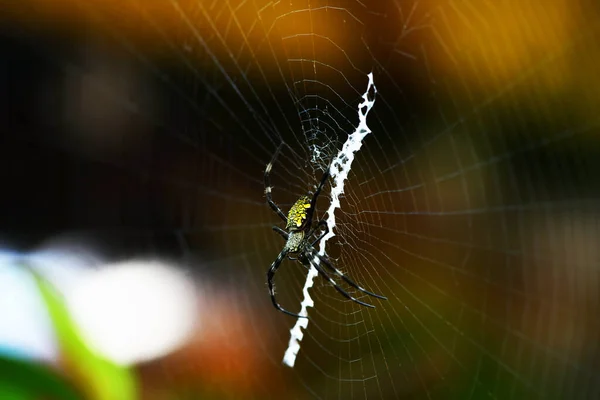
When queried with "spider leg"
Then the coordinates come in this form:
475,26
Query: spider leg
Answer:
268,168
313,201
283,233
339,273
276,264
325,232
337,287
322,183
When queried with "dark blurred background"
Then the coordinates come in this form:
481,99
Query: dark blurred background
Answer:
139,131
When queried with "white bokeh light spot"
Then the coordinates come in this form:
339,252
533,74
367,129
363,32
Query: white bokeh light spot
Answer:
134,311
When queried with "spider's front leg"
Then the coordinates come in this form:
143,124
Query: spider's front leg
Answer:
316,228
268,187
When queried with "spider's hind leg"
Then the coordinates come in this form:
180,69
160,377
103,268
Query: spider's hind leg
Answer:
337,287
270,274
349,281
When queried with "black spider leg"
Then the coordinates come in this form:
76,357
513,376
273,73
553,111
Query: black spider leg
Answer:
276,264
325,232
328,264
335,285
339,273
281,232
268,186
324,260
313,202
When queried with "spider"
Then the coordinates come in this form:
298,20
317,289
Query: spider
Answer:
299,234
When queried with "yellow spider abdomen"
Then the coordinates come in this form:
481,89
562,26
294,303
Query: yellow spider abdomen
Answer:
298,213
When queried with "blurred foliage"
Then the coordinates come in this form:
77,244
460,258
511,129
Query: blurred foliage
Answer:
99,378
22,380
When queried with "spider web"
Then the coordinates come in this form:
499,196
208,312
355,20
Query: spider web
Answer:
472,204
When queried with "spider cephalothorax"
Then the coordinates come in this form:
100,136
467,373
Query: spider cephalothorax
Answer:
301,238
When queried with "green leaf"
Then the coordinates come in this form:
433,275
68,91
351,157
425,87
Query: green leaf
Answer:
99,378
